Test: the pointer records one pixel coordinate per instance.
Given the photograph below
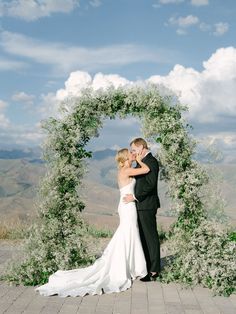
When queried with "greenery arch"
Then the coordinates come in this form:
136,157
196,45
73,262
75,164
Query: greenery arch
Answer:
56,241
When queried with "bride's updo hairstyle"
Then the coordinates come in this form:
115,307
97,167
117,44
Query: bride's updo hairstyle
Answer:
121,157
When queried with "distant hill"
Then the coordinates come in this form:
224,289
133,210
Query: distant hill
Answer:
17,153
35,153
102,154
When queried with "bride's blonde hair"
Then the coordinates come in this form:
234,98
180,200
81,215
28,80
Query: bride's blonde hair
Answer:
121,157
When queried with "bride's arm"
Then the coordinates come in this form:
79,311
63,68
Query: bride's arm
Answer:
137,171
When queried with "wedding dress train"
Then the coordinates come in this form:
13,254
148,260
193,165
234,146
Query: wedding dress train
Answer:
122,260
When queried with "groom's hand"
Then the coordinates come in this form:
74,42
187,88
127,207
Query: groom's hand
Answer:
128,198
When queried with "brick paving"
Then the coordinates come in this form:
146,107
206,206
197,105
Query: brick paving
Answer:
142,298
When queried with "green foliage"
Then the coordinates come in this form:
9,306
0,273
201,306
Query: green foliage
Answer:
99,233
163,235
207,256
232,236
57,240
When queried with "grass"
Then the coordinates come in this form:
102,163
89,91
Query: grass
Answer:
99,232
13,229
105,233
163,234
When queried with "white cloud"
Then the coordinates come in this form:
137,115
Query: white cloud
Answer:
10,65
31,10
186,21
226,139
204,27
114,132
4,121
49,105
221,28
76,82
170,1
12,134
89,59
181,31
183,22
103,81
164,2
211,93
221,66
222,143
199,3
33,135
3,104
79,80
95,3
24,98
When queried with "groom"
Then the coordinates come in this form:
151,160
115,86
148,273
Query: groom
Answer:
147,203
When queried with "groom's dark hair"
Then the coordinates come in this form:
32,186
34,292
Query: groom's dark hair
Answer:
139,141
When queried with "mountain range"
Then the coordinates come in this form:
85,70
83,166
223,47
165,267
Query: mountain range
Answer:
22,169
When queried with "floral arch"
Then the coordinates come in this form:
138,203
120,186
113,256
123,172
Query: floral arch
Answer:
56,241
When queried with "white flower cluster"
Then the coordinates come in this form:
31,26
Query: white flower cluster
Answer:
207,257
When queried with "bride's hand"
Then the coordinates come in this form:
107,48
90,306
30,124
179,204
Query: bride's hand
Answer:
139,157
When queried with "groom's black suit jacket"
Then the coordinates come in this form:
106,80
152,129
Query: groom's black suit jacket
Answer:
146,186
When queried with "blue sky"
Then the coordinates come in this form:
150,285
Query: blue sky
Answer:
187,45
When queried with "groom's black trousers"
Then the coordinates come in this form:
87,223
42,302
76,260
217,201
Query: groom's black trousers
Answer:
150,239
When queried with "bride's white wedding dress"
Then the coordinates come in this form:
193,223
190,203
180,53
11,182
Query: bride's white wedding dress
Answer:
122,260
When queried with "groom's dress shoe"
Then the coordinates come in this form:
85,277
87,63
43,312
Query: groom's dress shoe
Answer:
150,277
146,278
154,276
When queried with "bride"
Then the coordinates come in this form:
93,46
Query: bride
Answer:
122,260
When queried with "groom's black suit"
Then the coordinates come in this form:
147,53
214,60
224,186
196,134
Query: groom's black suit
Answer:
147,203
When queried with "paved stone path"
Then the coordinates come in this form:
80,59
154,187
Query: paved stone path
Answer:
142,298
